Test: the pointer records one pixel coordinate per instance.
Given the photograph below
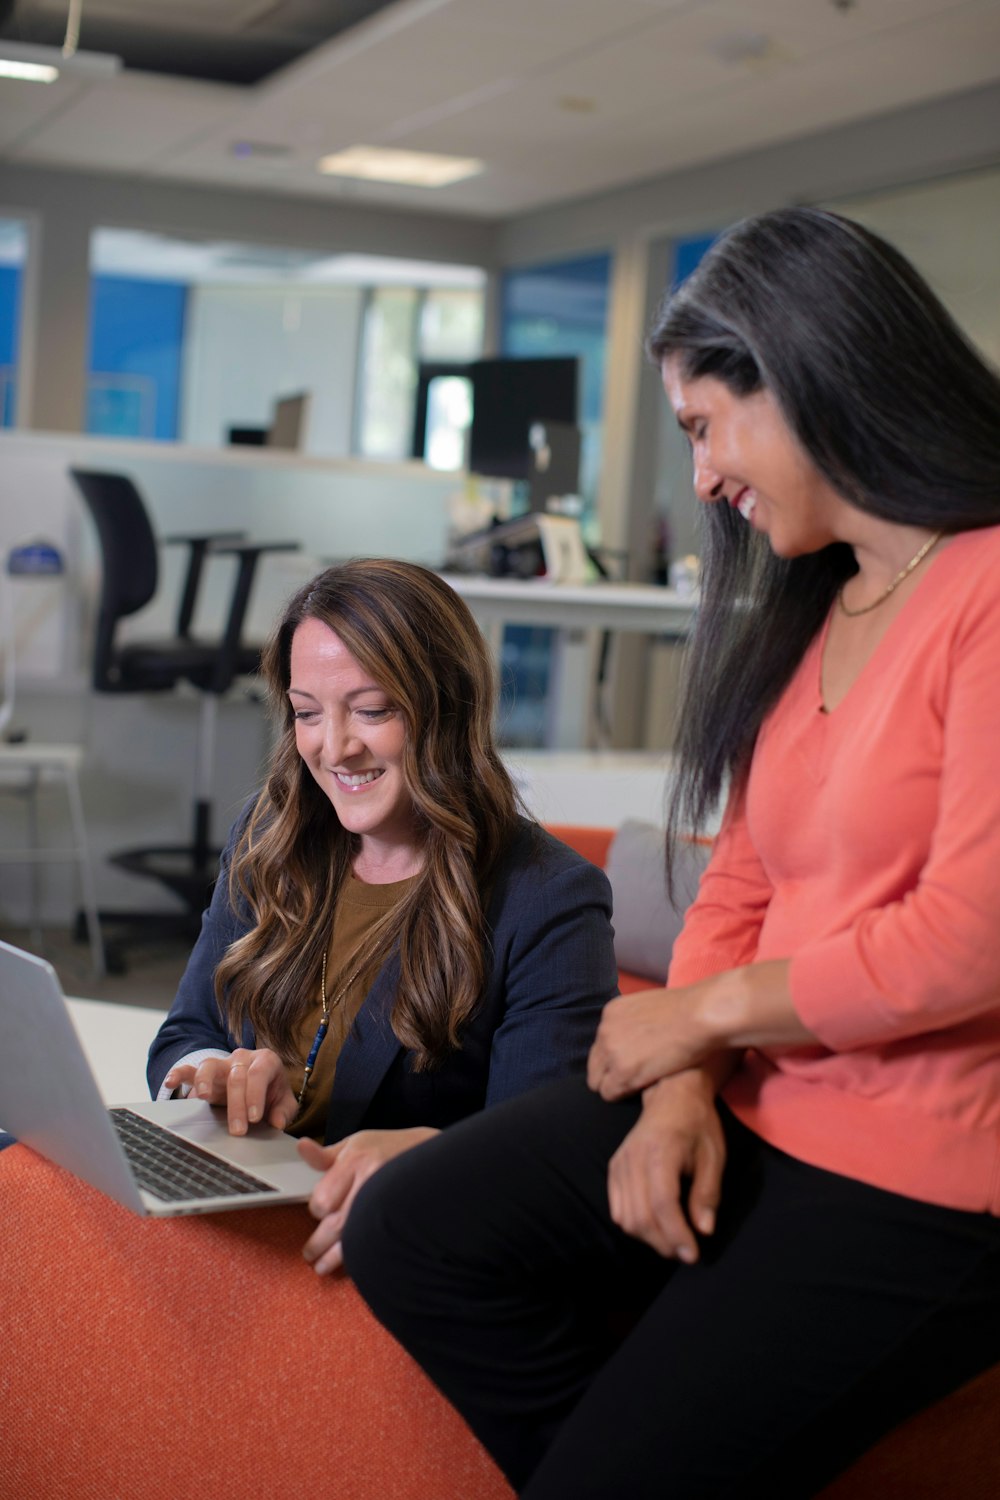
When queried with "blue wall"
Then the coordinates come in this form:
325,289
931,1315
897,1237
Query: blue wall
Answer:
10,306
136,329
687,254
559,309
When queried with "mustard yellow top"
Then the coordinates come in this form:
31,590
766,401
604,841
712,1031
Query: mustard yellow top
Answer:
359,910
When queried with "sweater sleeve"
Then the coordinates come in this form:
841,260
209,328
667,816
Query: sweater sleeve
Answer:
930,959
722,924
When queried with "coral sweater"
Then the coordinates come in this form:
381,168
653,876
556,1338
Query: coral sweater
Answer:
866,851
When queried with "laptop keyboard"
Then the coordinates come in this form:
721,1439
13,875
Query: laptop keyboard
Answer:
174,1169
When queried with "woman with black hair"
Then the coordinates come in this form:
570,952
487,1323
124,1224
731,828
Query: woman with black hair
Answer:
785,1173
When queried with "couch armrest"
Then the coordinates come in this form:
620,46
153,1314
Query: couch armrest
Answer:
591,843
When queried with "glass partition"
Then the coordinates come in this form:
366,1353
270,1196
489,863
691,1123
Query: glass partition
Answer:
204,342
562,309
551,310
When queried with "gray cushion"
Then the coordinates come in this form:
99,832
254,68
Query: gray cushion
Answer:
646,921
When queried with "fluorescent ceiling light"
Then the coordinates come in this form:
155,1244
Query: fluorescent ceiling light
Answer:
386,164
28,72
45,64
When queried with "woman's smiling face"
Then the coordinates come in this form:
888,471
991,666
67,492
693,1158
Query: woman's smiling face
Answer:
351,737
746,456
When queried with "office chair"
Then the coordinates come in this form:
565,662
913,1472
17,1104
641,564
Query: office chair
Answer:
129,581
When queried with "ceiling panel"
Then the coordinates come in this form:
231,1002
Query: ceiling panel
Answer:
125,123
561,98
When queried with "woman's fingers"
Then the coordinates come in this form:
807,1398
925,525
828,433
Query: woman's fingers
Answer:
316,1156
705,1192
646,1197
346,1166
179,1075
210,1080
323,1249
665,1180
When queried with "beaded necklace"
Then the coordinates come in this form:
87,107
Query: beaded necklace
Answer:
330,1004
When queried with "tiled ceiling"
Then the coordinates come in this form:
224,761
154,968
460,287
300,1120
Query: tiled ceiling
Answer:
559,98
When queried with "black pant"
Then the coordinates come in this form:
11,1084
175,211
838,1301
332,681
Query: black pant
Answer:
822,1312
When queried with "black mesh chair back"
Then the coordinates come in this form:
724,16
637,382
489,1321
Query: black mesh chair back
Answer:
130,570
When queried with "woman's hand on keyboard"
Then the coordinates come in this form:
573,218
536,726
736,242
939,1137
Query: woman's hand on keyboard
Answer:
252,1085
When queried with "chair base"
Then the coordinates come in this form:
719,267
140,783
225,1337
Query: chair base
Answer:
137,929
190,872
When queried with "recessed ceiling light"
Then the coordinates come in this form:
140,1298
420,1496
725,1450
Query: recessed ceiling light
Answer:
259,148
386,164
743,47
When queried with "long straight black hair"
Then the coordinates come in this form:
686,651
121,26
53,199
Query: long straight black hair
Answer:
895,408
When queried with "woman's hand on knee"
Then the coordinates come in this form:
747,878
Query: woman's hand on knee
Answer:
346,1166
665,1180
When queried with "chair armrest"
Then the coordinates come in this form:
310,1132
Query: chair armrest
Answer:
247,554
197,547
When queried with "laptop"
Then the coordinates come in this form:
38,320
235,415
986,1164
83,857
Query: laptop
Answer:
157,1159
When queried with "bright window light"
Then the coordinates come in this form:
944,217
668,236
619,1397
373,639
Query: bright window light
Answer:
381,164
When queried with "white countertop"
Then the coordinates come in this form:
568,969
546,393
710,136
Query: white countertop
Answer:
645,608
116,1039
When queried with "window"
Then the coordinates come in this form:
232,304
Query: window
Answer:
405,326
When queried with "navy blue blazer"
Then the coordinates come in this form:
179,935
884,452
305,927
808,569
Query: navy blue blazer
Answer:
553,969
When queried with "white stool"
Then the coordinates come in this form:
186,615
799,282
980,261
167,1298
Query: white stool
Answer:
25,767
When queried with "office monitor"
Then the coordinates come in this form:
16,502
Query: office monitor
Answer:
508,396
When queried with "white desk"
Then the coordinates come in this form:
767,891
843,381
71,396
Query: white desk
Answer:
641,607
578,611
116,1039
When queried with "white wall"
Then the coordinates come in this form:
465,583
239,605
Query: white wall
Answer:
950,230
244,346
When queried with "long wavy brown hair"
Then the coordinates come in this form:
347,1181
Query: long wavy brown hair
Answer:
420,644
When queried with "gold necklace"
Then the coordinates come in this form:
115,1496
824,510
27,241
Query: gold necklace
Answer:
329,1005
914,562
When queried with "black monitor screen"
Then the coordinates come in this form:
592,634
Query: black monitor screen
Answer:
507,396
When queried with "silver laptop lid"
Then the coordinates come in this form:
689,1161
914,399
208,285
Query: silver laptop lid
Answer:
49,1098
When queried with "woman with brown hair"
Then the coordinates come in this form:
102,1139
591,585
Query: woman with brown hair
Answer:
391,946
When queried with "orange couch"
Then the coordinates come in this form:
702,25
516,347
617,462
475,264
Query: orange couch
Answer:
141,1358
